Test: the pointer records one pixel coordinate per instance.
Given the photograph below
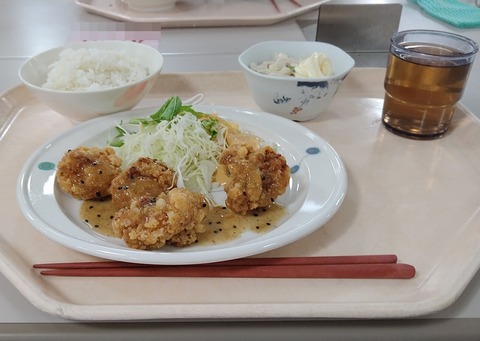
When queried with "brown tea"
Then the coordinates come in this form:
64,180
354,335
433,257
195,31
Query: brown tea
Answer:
421,94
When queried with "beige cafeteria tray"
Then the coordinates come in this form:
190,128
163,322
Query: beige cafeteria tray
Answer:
417,199
201,13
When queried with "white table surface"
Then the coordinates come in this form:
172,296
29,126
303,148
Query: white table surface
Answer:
31,26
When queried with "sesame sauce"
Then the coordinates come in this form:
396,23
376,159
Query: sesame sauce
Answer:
221,224
98,214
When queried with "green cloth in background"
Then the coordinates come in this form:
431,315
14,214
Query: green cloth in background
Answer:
453,12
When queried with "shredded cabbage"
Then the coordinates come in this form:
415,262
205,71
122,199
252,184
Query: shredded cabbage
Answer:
182,143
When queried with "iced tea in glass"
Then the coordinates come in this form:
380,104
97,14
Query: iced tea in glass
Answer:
425,78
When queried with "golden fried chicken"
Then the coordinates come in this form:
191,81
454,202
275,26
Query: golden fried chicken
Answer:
256,177
145,177
87,172
275,173
173,218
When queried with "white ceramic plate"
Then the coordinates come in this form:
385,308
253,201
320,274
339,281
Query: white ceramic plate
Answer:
316,191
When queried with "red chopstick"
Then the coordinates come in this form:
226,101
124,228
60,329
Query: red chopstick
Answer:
372,271
365,266
274,3
321,260
296,3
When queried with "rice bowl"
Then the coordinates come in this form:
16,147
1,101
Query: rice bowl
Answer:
92,80
86,69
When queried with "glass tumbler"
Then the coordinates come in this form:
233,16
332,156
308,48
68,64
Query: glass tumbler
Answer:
425,78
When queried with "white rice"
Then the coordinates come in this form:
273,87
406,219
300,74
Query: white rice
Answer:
93,69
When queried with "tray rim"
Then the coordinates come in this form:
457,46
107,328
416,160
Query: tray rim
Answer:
195,21
73,311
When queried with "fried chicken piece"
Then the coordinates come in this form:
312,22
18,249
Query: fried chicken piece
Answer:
256,177
172,218
244,185
275,173
145,177
87,172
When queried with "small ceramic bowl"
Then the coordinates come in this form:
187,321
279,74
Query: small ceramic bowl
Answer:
299,99
87,104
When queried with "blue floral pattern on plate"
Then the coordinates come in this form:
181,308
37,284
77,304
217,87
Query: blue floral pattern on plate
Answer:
309,151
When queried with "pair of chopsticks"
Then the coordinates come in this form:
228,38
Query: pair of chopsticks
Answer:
360,267
277,8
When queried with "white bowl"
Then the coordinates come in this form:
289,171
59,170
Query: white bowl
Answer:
84,105
298,99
